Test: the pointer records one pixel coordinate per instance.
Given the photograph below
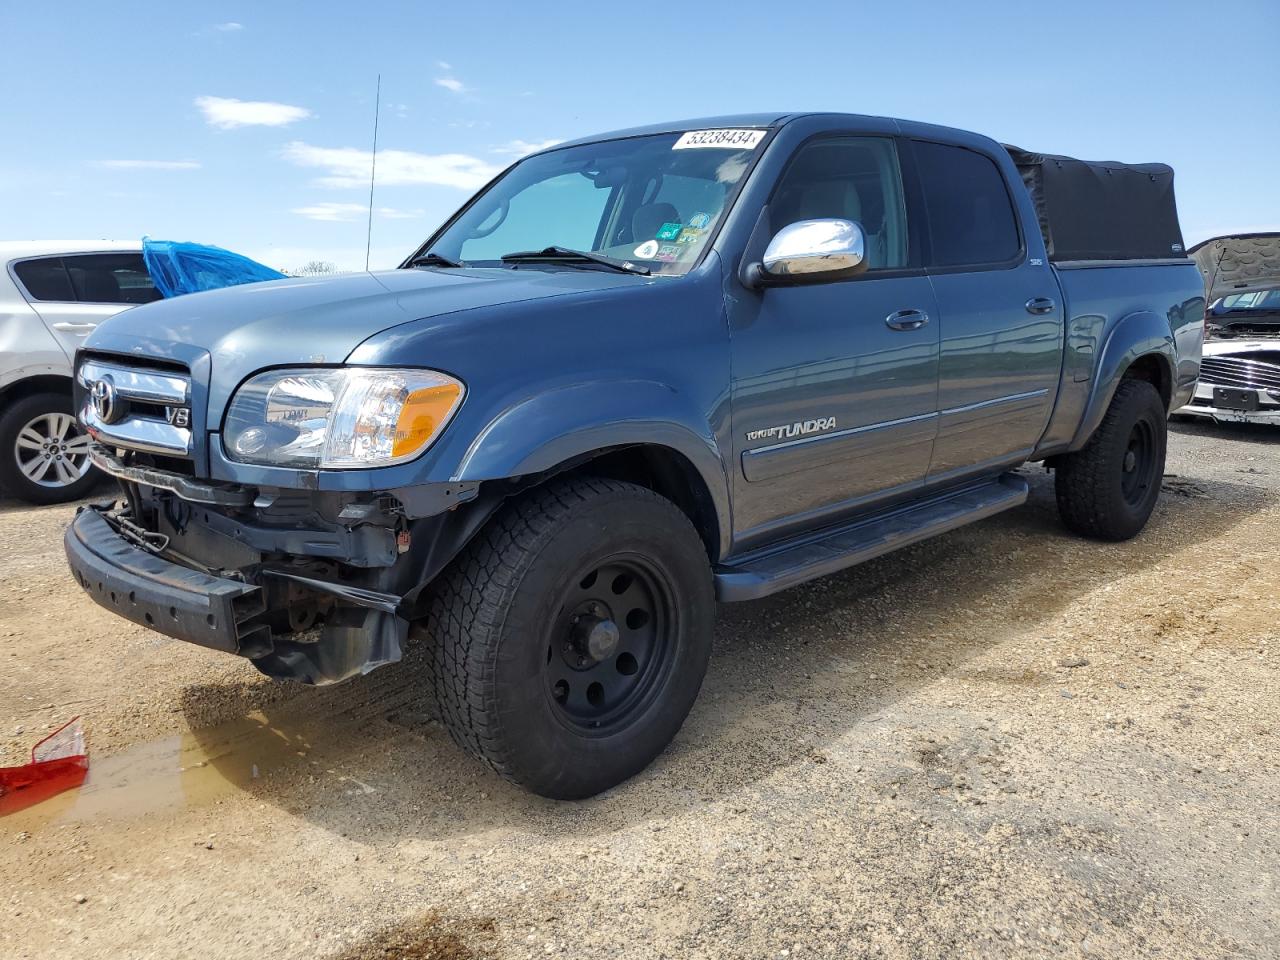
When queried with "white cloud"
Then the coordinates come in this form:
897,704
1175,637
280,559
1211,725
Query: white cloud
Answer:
148,164
445,66
225,113
229,27
452,84
352,212
520,148
349,167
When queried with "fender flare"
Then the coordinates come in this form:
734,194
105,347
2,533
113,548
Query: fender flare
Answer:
1135,335
553,428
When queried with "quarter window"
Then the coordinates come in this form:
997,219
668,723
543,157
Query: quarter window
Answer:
848,178
45,279
971,218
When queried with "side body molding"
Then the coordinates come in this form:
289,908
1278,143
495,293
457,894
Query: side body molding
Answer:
553,428
1134,335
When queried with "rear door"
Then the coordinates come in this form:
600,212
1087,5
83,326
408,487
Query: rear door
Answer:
1000,321
75,292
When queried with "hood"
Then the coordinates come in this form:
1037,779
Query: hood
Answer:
1239,264
322,319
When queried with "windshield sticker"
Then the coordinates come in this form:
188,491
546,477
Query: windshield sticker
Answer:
689,235
669,231
700,221
646,251
668,253
720,139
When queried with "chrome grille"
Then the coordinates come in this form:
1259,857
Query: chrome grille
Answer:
1225,371
139,409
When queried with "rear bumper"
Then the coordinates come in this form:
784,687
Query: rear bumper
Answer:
164,596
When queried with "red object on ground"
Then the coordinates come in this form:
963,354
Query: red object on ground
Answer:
58,763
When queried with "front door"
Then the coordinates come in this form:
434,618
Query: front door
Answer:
835,384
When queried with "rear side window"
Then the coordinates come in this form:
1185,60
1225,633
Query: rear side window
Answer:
971,218
110,278
88,278
45,279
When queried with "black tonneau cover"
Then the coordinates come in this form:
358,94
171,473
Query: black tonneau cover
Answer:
1102,210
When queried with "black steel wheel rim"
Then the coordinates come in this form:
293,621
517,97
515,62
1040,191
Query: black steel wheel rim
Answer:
1138,463
610,646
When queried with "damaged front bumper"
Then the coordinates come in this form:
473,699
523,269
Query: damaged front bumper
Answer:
308,585
362,628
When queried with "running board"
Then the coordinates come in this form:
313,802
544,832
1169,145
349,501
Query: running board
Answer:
784,565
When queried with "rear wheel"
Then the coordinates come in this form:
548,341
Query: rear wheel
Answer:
570,638
1108,489
44,452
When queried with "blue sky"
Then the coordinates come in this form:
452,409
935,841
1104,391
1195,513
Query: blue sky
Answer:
248,124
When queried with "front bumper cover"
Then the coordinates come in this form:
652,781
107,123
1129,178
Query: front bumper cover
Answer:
1203,404
167,597
364,631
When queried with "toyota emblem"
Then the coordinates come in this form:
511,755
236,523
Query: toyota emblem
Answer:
103,396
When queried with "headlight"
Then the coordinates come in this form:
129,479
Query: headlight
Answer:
339,418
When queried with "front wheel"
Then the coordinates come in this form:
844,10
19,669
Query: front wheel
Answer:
570,638
1108,489
44,453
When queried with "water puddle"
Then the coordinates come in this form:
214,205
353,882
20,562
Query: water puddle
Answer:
185,770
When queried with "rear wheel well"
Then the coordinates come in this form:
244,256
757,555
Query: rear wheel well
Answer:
669,474
1153,369
46,383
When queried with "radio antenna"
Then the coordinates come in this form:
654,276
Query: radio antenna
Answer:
373,172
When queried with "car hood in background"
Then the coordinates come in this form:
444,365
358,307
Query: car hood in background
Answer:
1239,264
321,320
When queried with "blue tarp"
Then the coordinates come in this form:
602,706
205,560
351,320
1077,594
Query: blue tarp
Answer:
178,268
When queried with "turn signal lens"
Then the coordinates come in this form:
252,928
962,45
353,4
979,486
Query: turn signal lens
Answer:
421,416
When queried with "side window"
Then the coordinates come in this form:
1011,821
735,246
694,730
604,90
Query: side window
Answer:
110,278
45,279
971,218
852,178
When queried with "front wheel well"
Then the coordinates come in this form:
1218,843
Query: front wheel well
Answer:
667,473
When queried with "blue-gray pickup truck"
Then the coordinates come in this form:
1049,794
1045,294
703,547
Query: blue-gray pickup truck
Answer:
634,375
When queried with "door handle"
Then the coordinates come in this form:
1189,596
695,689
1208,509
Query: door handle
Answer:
906,320
66,326
1040,305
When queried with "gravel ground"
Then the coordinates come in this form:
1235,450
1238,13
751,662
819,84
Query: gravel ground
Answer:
1006,742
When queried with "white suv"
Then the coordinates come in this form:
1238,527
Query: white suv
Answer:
52,295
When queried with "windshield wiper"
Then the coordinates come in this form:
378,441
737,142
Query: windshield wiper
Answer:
565,255
433,259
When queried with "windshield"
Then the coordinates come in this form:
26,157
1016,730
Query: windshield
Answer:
1261,301
651,201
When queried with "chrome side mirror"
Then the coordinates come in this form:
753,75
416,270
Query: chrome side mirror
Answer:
812,251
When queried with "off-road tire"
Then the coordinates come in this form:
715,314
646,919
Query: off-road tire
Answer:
1098,494
14,417
494,647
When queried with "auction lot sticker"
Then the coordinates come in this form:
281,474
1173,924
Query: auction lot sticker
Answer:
720,139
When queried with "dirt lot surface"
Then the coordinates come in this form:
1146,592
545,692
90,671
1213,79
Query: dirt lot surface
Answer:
1007,742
